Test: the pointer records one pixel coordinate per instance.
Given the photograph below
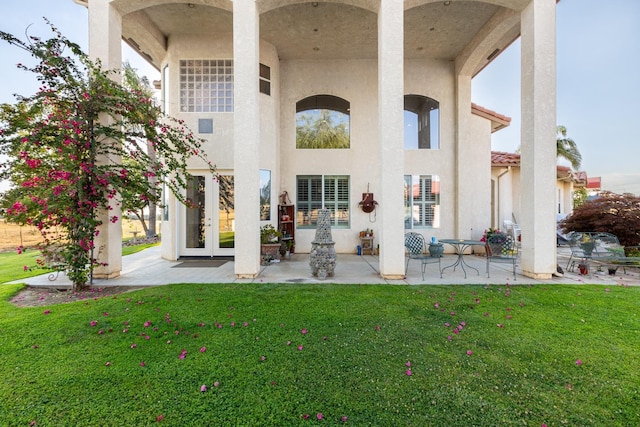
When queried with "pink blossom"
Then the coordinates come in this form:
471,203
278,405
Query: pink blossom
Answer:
142,364
93,323
344,418
377,327
300,347
147,324
408,372
107,364
304,331
320,416
134,345
408,364
46,312
203,388
159,418
216,384
305,417
203,349
469,352
579,362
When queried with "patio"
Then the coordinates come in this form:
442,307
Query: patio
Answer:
147,268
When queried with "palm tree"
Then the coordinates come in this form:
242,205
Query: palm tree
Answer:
567,148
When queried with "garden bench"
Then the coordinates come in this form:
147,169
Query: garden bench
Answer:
54,260
599,248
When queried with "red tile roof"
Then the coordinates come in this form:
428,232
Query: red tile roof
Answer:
498,121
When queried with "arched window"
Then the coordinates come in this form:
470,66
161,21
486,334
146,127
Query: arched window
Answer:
421,123
322,121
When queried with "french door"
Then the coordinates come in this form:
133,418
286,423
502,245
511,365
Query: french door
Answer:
208,223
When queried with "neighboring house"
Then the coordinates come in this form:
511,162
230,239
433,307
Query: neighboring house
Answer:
310,98
506,188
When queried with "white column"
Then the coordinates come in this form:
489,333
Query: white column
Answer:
538,162
246,137
105,38
391,131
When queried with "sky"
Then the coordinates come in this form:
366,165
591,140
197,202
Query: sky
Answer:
598,89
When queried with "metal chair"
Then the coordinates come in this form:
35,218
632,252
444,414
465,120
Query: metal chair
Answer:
502,248
416,249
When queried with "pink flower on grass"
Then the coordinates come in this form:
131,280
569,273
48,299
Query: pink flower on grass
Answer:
147,324
300,347
216,384
408,372
107,364
143,364
377,327
344,418
408,364
305,417
304,331
159,418
288,342
134,345
469,352
46,312
263,358
93,323
203,349
203,388
320,416
579,362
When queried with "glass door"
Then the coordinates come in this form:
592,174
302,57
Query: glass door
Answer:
208,225
225,216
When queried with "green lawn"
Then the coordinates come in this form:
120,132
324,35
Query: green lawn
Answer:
554,355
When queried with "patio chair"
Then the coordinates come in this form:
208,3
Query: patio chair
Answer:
416,249
501,249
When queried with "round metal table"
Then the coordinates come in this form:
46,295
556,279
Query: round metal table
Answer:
460,246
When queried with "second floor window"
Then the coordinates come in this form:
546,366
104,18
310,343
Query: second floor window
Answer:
206,85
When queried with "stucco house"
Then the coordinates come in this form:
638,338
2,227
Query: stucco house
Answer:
506,188
393,78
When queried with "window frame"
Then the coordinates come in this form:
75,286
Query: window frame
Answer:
422,202
206,85
332,192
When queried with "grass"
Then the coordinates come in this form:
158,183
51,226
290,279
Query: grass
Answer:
13,263
513,361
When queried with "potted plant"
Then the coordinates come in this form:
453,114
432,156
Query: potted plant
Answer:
436,249
270,241
495,241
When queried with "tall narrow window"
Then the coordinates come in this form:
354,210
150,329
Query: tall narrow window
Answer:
421,123
316,191
265,79
421,201
206,85
265,195
322,121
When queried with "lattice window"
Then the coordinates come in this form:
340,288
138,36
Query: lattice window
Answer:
206,85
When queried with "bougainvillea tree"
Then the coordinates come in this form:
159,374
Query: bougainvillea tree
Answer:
65,143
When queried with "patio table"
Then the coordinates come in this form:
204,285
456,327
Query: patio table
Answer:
460,246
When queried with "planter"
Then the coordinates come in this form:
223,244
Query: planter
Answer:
612,270
270,251
587,247
436,249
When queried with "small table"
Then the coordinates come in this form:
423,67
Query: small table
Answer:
366,243
460,246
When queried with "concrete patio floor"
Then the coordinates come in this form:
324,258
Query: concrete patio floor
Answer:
147,268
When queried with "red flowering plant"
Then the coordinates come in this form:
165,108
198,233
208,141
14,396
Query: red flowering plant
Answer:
65,146
495,236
